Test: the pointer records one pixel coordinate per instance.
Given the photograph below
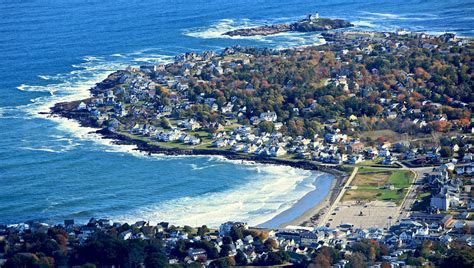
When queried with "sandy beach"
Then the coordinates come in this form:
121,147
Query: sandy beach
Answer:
312,216
309,209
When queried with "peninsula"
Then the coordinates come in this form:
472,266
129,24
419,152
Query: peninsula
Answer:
305,107
311,23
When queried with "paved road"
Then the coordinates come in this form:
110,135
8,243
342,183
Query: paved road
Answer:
410,198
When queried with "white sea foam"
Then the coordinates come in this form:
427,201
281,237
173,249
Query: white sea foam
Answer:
217,29
383,15
45,149
279,41
365,23
153,58
44,77
272,191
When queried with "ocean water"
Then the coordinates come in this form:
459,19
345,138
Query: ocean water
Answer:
51,51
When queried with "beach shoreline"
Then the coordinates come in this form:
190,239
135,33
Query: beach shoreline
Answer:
308,217
307,206
311,217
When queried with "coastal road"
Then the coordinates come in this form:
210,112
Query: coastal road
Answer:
324,219
410,198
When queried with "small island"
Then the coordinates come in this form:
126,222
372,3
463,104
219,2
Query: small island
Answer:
312,23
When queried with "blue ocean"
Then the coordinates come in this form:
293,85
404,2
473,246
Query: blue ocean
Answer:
55,50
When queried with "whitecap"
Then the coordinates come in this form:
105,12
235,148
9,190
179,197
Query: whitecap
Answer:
44,77
279,41
43,149
364,23
383,15
274,190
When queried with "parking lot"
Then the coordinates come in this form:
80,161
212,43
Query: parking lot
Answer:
364,215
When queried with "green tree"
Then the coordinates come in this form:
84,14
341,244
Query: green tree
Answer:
156,260
357,260
165,123
240,258
459,257
446,151
222,263
266,126
202,230
22,260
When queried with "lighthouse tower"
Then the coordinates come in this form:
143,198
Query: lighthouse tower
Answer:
314,16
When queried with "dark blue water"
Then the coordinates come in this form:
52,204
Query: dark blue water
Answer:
53,51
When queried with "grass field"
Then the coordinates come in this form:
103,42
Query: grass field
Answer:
375,179
364,194
401,178
370,184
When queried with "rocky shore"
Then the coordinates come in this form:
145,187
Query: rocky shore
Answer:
154,149
310,24
60,109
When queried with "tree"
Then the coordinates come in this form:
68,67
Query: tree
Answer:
240,258
180,249
227,240
266,126
276,258
357,260
222,262
415,261
320,261
225,249
165,123
459,257
156,260
188,229
49,247
22,260
446,151
202,230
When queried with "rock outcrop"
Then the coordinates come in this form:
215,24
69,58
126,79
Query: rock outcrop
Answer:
309,24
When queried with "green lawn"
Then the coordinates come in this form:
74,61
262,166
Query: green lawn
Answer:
374,194
370,170
370,182
377,162
401,178
368,194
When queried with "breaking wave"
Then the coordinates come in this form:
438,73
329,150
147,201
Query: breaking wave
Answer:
270,192
279,41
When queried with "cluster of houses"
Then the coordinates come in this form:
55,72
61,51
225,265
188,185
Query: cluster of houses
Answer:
354,46
300,242
136,95
450,187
